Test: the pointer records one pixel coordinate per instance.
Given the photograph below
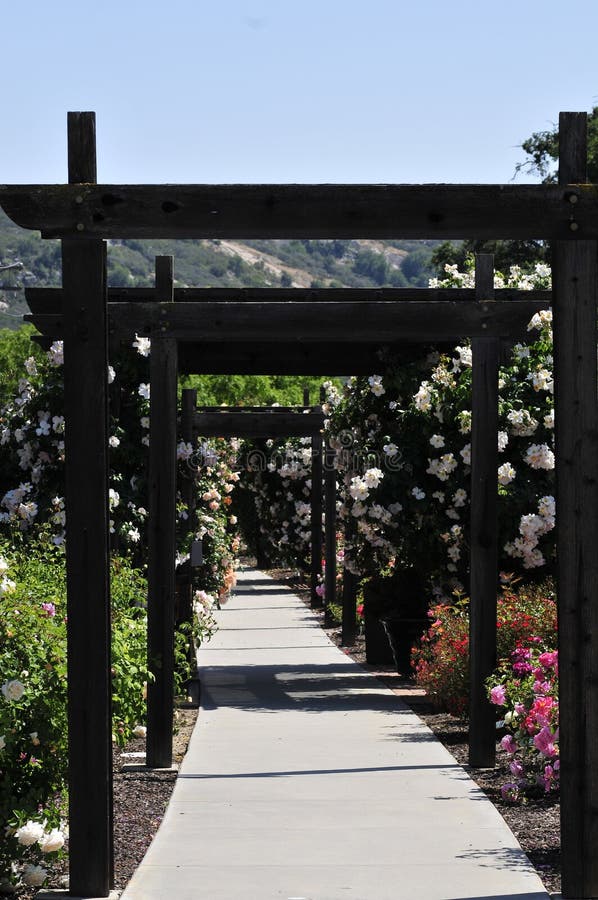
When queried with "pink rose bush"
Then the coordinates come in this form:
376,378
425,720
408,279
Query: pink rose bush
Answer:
526,686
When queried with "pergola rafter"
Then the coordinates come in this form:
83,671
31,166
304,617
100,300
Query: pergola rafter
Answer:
84,215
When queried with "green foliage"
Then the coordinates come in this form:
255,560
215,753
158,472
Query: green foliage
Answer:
252,390
15,347
33,673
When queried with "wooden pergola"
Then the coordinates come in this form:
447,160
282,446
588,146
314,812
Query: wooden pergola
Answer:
299,332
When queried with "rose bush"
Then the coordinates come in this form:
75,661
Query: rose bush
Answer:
404,453
525,687
33,743
441,659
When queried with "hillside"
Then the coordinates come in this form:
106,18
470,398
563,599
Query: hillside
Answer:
292,263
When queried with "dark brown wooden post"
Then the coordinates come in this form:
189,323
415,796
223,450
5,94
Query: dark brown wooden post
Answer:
316,517
350,585
484,531
188,407
87,562
306,396
188,496
330,530
162,537
576,419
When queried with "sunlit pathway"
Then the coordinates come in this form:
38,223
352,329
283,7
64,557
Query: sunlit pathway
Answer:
306,779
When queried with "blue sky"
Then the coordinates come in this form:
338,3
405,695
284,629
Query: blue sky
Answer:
288,91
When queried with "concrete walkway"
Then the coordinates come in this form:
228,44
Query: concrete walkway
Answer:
306,779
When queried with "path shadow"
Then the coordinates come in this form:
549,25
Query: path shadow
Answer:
309,688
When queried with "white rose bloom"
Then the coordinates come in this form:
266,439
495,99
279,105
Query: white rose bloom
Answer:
30,366
437,440
503,440
13,690
52,841
376,387
142,345
140,731
539,456
373,477
29,833
114,441
465,454
34,876
418,493
459,497
506,473
56,353
144,391
111,374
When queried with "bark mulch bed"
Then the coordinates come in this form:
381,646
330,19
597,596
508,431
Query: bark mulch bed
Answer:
141,797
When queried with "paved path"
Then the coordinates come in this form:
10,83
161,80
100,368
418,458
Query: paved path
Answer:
306,779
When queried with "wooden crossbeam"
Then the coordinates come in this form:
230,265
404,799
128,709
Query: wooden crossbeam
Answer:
49,300
272,322
305,211
265,423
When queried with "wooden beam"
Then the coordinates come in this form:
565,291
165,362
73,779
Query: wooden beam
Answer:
575,277
316,518
189,498
303,211
330,529
315,323
49,300
188,433
87,567
262,424
162,551
255,358
484,531
350,587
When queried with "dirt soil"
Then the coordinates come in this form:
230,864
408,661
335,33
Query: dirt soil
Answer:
141,797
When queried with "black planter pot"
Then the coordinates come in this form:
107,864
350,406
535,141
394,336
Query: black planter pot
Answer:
395,616
402,633
377,647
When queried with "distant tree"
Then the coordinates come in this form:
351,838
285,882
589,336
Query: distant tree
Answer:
416,267
371,264
285,280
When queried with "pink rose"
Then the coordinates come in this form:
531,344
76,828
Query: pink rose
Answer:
509,744
498,695
544,742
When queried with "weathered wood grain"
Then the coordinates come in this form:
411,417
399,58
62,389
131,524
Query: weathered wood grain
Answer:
575,277
483,531
269,423
303,211
48,300
316,501
87,569
162,551
330,528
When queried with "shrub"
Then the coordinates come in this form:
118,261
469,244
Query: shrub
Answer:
526,687
33,676
441,660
